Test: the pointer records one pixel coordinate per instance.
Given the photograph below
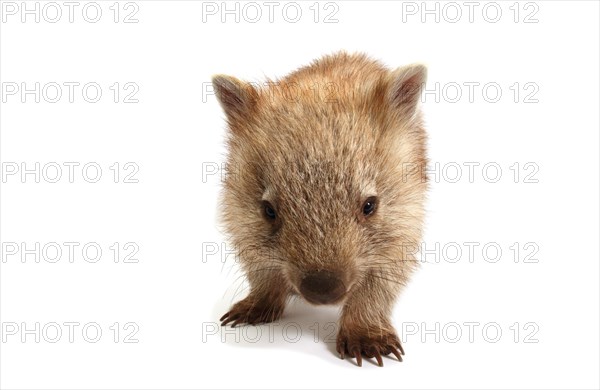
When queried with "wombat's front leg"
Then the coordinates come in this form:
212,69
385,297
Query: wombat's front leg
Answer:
365,327
265,303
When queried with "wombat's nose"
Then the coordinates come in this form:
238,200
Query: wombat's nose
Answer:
322,287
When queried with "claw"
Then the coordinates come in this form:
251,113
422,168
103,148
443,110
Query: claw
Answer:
341,350
358,345
225,322
378,357
358,357
397,354
224,316
229,319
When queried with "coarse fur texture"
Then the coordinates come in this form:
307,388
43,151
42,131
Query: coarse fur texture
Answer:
324,194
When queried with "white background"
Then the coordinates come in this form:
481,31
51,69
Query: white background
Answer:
175,293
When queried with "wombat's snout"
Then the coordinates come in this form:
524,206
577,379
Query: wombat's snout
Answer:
322,287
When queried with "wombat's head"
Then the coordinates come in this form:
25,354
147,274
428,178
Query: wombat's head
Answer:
325,177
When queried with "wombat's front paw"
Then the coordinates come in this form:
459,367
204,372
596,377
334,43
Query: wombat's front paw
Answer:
252,311
356,343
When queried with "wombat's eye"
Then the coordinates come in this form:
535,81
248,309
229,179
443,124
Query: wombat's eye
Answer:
269,210
369,206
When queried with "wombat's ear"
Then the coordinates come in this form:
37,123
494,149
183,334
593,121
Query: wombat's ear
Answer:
236,97
406,84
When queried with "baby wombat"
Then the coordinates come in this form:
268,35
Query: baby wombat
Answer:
324,193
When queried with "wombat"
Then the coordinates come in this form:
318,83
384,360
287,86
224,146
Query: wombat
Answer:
324,193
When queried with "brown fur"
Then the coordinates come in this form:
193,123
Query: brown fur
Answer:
315,145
